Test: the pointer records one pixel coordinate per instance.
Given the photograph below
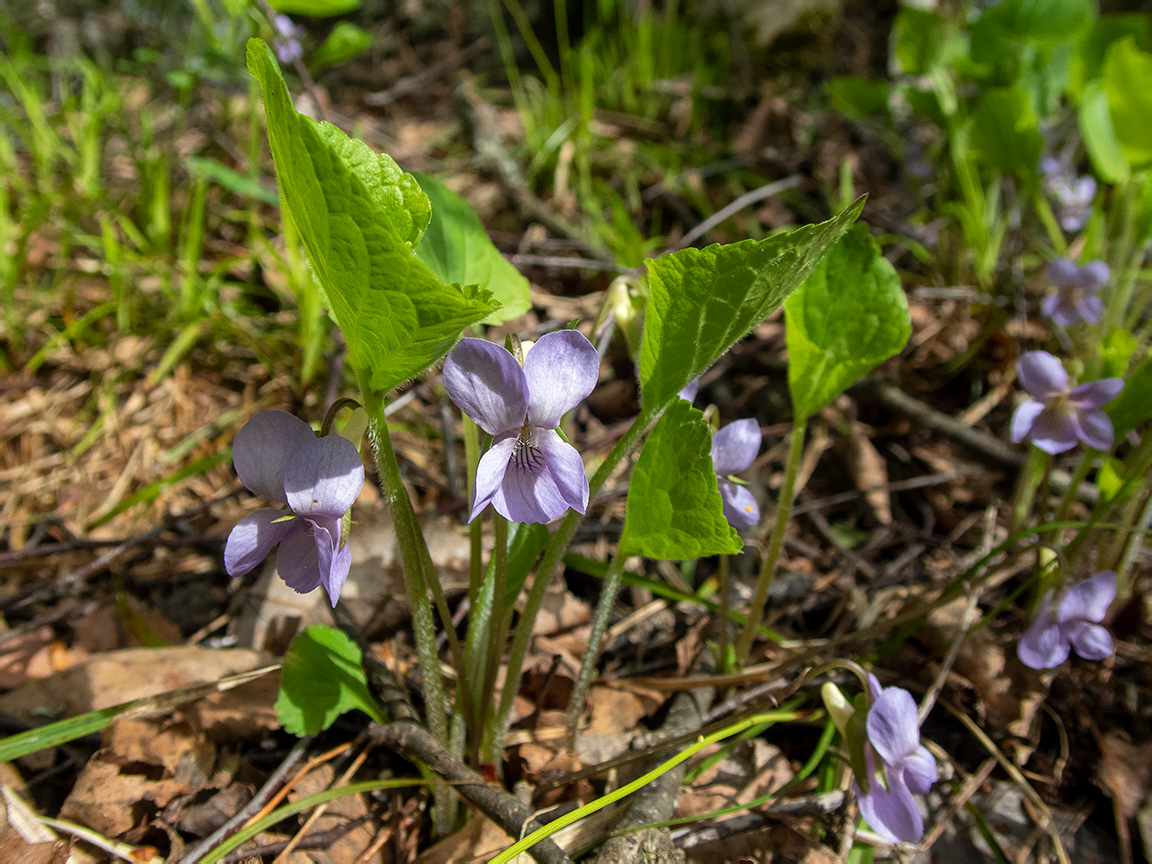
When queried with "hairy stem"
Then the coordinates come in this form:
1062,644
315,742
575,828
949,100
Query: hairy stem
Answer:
775,543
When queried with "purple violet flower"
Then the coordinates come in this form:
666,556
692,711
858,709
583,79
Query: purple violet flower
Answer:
278,456
1074,194
1077,289
529,474
1058,414
734,448
287,41
1076,625
908,768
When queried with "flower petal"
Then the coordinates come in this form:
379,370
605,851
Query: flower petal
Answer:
333,562
874,688
892,813
567,468
1042,646
688,391
262,448
529,492
1089,600
1062,272
893,725
324,477
1091,641
740,507
735,447
253,538
297,561
562,369
920,771
490,471
1094,276
1054,430
487,384
1096,394
1094,428
1042,375
1023,419
1090,308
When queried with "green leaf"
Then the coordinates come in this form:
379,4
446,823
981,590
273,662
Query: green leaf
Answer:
1134,404
702,301
1003,132
1108,159
320,680
359,216
457,249
1128,83
315,8
918,39
346,42
848,317
1087,63
674,510
1110,480
1041,20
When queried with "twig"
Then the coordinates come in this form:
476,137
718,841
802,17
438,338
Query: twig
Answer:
745,200
999,452
405,736
573,263
656,801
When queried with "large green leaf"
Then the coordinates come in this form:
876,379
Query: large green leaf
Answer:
457,249
1041,20
1003,132
701,301
346,42
360,216
1128,83
1087,63
674,510
848,317
320,680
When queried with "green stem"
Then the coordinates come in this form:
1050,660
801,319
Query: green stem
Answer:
608,593
1135,544
1137,464
413,553
722,623
775,543
549,566
496,635
1029,482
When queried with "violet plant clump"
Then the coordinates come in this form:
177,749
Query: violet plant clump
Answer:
1076,624
889,763
277,455
1077,296
529,474
1058,415
734,448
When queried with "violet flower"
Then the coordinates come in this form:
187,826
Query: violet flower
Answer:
688,391
1076,298
1074,194
529,474
908,768
277,455
287,41
734,448
1076,625
1059,414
